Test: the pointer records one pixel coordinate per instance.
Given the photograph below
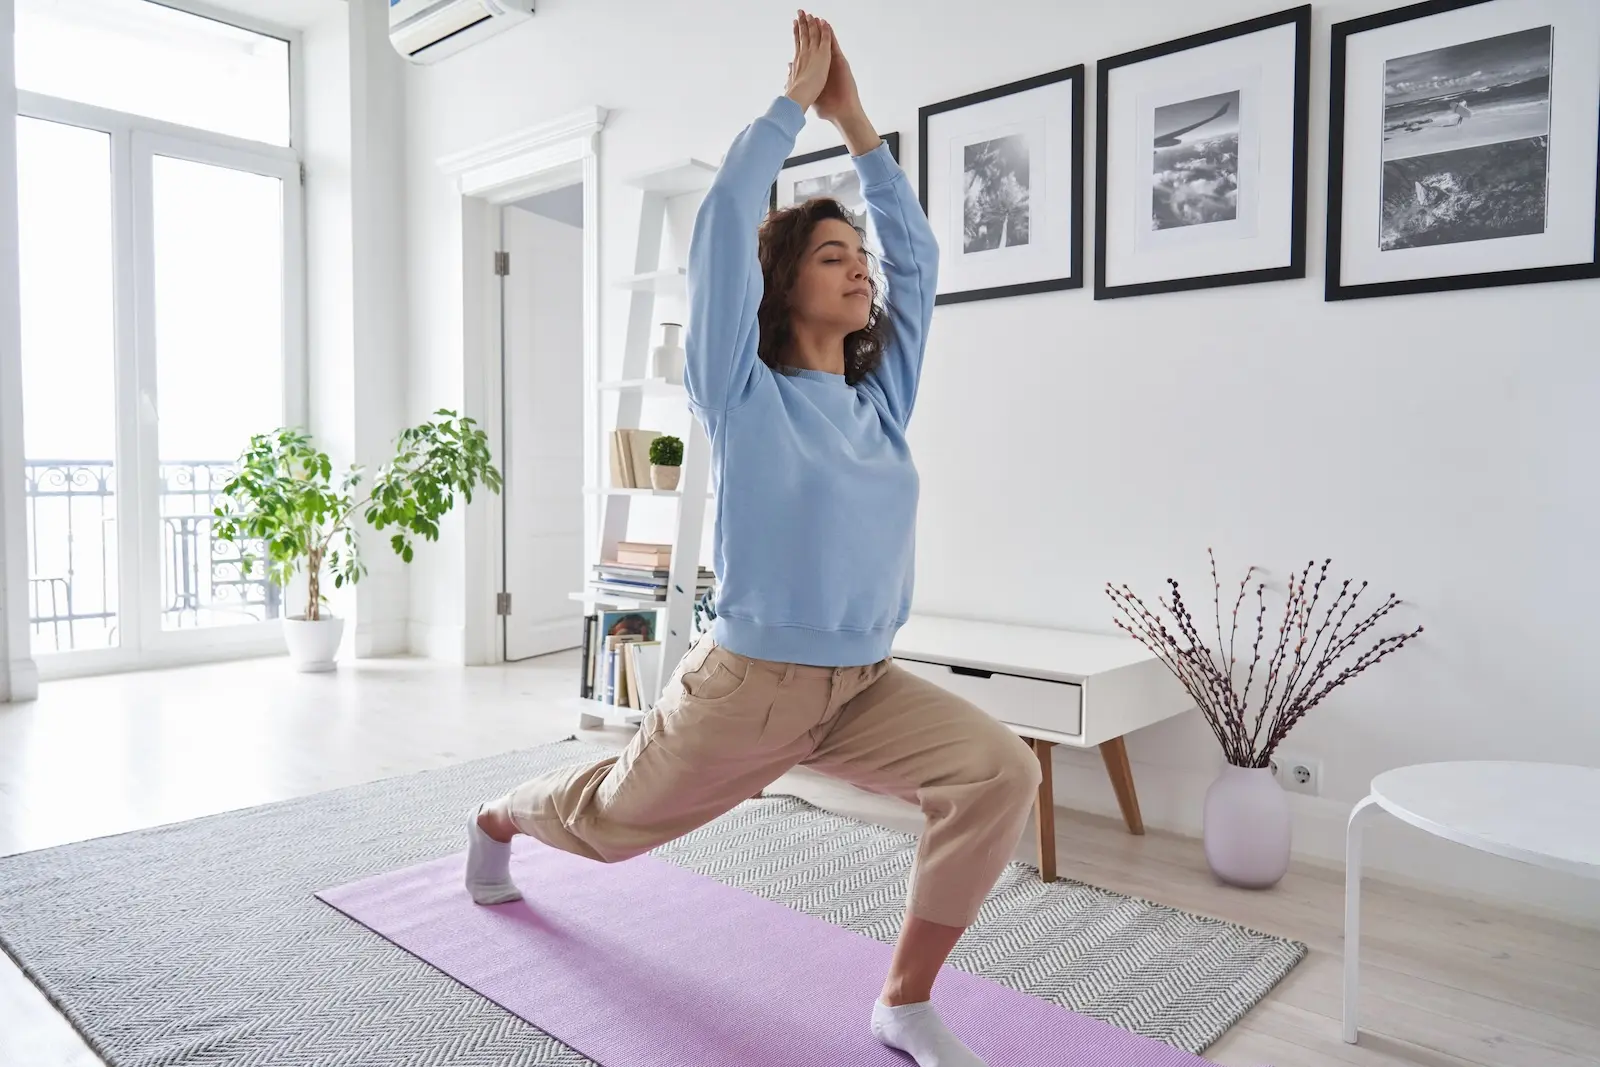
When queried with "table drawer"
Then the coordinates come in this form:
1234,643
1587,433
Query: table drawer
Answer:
1027,702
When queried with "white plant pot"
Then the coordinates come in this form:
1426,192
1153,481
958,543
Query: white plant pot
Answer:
664,477
313,645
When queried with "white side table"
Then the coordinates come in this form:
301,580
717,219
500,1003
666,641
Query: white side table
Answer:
1540,813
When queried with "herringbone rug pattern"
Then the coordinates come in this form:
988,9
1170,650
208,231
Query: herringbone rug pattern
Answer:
200,943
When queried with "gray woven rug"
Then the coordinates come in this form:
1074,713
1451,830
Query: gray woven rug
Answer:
200,943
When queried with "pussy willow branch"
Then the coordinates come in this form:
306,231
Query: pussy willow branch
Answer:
1239,600
1185,675
1212,674
1150,631
1303,617
1300,662
1383,648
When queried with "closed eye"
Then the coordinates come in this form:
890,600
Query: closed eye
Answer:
829,246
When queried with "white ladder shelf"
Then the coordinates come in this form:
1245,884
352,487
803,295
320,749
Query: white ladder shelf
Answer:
651,278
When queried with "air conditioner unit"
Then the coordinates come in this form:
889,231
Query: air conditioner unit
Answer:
425,31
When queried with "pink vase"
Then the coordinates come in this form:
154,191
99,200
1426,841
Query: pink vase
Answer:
1247,827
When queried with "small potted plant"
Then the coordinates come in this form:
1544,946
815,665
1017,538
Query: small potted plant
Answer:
666,461
283,498
1247,817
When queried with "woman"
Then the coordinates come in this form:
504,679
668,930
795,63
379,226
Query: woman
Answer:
804,386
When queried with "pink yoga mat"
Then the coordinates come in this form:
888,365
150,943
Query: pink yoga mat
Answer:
646,964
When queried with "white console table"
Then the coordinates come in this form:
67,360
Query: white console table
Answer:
1053,687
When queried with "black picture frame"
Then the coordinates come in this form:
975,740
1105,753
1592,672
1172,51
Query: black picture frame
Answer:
1336,289
1074,74
893,139
1300,19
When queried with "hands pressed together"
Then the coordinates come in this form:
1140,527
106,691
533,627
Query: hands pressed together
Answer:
820,78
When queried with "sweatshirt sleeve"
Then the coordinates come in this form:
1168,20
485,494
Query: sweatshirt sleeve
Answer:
724,276
910,258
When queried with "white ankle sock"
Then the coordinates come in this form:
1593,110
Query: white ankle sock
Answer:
917,1030
488,866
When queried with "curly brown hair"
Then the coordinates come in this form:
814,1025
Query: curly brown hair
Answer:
784,238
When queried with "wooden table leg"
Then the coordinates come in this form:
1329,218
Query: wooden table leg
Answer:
1045,809
1115,753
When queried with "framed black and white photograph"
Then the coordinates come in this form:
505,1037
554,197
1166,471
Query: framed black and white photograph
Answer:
1462,147
826,173
1202,145
1000,175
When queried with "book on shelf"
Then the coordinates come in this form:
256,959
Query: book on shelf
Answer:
616,678
586,674
643,559
622,659
644,546
630,458
642,581
639,554
628,592
644,672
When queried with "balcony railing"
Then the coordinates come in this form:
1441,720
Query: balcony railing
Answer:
72,552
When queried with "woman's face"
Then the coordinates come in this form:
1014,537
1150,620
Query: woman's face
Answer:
833,288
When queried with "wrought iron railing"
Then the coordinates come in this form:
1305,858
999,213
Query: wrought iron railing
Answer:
72,551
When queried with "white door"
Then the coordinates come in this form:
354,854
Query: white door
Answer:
543,450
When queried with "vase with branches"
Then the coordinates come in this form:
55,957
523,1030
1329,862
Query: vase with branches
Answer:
1322,642
283,500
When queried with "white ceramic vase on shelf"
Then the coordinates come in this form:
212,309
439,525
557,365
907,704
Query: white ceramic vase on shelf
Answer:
1247,827
667,359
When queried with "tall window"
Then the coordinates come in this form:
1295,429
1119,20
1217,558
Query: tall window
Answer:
162,294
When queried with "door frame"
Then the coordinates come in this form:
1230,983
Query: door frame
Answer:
562,152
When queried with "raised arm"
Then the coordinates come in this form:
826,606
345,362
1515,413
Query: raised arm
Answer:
724,274
910,254
910,257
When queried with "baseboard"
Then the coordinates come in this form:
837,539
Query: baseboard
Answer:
161,659
23,681
377,639
1172,798
448,644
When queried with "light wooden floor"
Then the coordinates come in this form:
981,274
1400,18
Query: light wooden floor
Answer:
1447,983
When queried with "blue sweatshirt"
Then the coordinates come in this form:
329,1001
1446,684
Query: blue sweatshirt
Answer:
816,492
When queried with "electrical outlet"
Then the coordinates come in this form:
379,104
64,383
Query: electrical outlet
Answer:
1298,774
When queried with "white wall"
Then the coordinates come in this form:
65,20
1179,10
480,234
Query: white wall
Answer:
1437,445
377,100
18,676
436,320
354,154
330,270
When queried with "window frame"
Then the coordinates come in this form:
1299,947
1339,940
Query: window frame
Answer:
134,140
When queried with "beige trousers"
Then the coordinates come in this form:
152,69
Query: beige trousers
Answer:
726,726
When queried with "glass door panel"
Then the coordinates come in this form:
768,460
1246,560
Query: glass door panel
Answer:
69,381
217,285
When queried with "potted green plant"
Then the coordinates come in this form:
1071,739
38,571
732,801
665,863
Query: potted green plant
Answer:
283,499
666,461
